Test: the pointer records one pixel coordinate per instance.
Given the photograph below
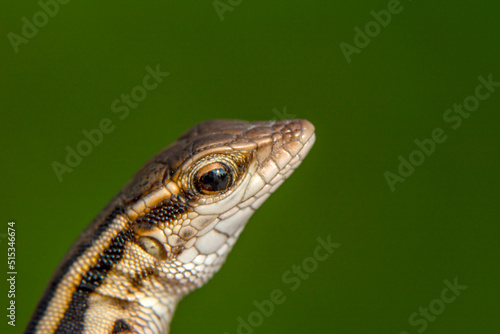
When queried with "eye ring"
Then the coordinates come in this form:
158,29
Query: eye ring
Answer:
213,178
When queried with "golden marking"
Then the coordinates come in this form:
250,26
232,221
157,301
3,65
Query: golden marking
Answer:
156,197
173,188
139,206
64,291
132,215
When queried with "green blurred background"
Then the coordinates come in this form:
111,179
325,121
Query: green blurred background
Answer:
262,59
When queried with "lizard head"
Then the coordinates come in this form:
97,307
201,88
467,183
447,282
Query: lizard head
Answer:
190,203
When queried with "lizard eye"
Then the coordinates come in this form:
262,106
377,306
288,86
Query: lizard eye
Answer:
213,178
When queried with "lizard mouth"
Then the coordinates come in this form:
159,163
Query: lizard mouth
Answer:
279,155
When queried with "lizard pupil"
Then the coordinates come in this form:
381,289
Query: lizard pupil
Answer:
213,178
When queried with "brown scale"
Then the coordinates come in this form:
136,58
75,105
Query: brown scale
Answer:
137,278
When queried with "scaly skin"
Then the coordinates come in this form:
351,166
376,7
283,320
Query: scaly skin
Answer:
170,229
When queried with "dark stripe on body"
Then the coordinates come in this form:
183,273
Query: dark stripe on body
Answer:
63,270
74,317
164,213
72,321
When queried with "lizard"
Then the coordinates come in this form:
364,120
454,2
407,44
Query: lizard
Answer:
170,229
